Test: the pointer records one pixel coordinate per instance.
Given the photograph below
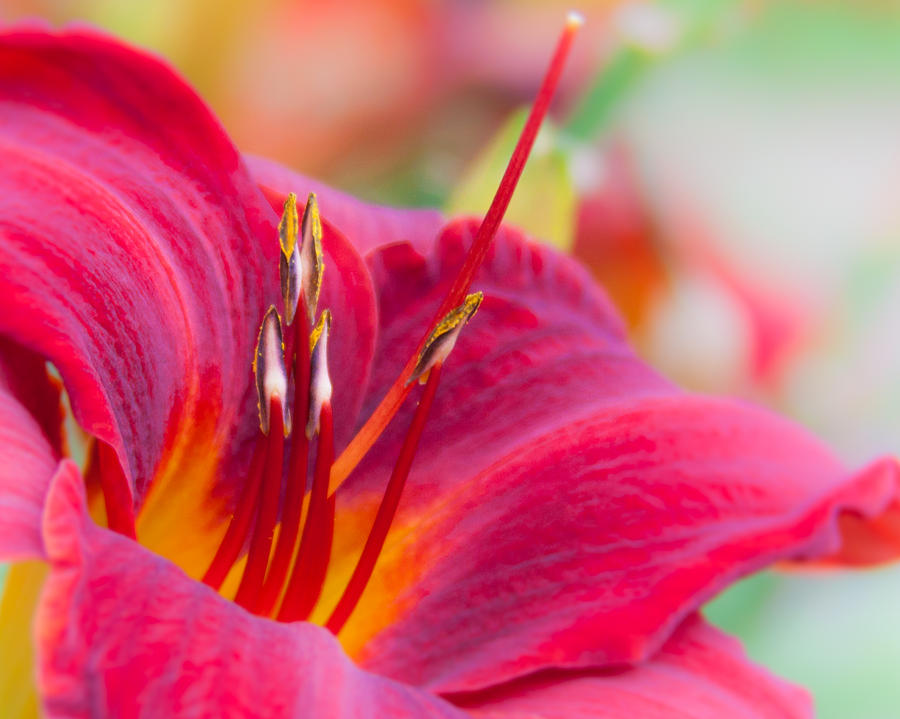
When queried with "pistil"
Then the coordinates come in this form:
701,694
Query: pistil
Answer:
396,395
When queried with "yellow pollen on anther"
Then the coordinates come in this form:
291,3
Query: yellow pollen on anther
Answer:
290,268
312,258
269,369
320,387
443,337
289,226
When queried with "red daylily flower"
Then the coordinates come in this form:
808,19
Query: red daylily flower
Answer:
567,512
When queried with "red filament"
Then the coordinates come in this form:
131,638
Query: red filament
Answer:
296,479
270,493
116,497
386,510
236,534
308,576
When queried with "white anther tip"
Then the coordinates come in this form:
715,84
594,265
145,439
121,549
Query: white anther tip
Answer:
574,19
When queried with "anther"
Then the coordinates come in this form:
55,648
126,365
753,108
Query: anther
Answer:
311,255
289,266
443,338
268,366
320,381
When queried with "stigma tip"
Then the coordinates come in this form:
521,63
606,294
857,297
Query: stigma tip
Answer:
574,19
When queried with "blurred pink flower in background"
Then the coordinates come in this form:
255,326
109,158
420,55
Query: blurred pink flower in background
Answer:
760,174
315,83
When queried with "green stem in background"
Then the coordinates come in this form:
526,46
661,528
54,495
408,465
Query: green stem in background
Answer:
699,21
615,82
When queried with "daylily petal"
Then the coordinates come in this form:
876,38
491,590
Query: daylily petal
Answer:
700,673
567,507
18,693
545,349
366,225
29,449
872,534
121,631
348,292
130,248
587,546
196,654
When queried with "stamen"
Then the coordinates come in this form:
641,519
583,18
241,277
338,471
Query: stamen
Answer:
289,266
116,497
388,507
236,534
320,381
268,366
270,492
398,392
308,576
296,478
312,257
271,386
443,338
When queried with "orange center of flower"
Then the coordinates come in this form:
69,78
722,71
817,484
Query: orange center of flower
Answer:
294,388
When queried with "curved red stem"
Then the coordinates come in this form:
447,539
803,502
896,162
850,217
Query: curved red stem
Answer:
396,395
116,495
311,566
270,493
238,528
386,510
296,481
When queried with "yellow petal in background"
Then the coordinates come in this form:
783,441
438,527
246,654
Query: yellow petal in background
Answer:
544,202
18,695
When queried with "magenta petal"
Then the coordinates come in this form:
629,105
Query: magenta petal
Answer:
567,507
700,673
123,633
587,546
545,348
367,226
131,242
29,450
348,292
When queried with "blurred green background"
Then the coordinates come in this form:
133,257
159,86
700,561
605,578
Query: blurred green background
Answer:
690,136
